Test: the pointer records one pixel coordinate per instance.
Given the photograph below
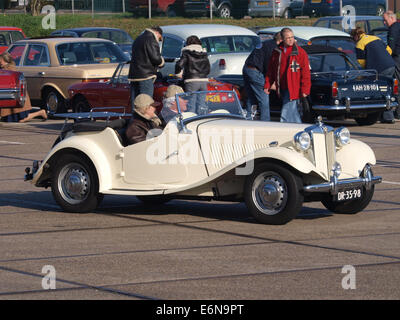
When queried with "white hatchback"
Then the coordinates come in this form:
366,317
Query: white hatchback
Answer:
227,46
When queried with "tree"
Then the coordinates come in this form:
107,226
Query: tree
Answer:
35,6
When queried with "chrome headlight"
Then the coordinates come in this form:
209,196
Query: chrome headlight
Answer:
302,141
342,136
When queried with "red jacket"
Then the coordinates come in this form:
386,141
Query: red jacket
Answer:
298,72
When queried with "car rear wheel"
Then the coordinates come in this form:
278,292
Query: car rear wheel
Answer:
351,206
224,11
273,194
54,102
380,11
80,104
370,119
75,184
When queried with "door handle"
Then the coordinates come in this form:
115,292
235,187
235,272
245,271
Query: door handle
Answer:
41,73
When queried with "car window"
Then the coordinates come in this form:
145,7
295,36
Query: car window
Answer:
89,52
322,23
122,75
171,47
347,46
119,37
373,24
91,34
36,55
266,36
16,52
5,38
329,63
16,35
226,44
337,25
362,25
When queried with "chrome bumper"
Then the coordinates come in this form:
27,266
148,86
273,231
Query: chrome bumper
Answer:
366,180
349,107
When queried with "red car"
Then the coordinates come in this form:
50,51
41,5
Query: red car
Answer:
9,35
12,89
115,92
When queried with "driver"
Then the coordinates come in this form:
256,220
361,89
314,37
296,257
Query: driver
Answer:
144,119
170,107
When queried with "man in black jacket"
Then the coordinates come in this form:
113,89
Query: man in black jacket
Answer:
146,59
254,72
393,41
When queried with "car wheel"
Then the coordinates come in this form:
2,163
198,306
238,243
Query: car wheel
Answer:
351,206
273,194
75,184
80,104
224,11
370,119
54,102
154,200
287,14
380,11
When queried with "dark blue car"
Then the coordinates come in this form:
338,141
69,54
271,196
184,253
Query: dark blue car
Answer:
332,7
120,37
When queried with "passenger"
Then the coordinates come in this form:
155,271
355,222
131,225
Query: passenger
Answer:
144,119
170,107
17,114
193,67
368,48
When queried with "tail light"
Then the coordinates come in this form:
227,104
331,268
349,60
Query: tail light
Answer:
21,90
277,1
222,64
395,87
334,90
329,1
96,80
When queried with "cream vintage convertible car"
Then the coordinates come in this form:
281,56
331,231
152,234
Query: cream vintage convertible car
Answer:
212,152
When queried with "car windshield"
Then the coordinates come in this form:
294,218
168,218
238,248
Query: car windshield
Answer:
229,44
203,103
345,45
89,53
330,62
8,37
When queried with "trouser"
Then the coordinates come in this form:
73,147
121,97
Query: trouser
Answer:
290,111
197,102
388,116
254,82
138,87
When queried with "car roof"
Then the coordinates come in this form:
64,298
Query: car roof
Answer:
206,30
10,28
357,18
308,33
87,29
55,40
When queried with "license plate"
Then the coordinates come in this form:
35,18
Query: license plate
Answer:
365,87
213,98
315,1
262,3
350,194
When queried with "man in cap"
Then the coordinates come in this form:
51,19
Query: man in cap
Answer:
170,107
144,119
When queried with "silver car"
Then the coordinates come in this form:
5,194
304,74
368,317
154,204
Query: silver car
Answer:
262,8
227,46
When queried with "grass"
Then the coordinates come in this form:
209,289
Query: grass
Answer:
32,26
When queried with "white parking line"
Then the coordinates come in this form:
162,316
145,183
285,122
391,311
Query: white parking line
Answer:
10,142
391,182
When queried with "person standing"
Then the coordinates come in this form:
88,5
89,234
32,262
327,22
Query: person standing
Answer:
193,67
146,59
22,114
254,73
368,48
289,70
393,40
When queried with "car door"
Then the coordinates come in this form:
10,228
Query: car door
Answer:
117,91
171,51
34,65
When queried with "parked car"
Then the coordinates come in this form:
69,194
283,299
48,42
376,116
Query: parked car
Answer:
283,8
332,7
12,89
115,92
340,88
171,8
51,65
273,167
221,8
120,37
370,24
9,35
316,35
227,46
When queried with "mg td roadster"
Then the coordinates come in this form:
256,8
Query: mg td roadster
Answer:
211,151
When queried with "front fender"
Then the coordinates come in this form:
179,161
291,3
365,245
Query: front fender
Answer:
353,157
91,145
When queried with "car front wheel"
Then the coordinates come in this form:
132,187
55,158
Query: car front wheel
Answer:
350,206
273,194
224,11
54,102
75,184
